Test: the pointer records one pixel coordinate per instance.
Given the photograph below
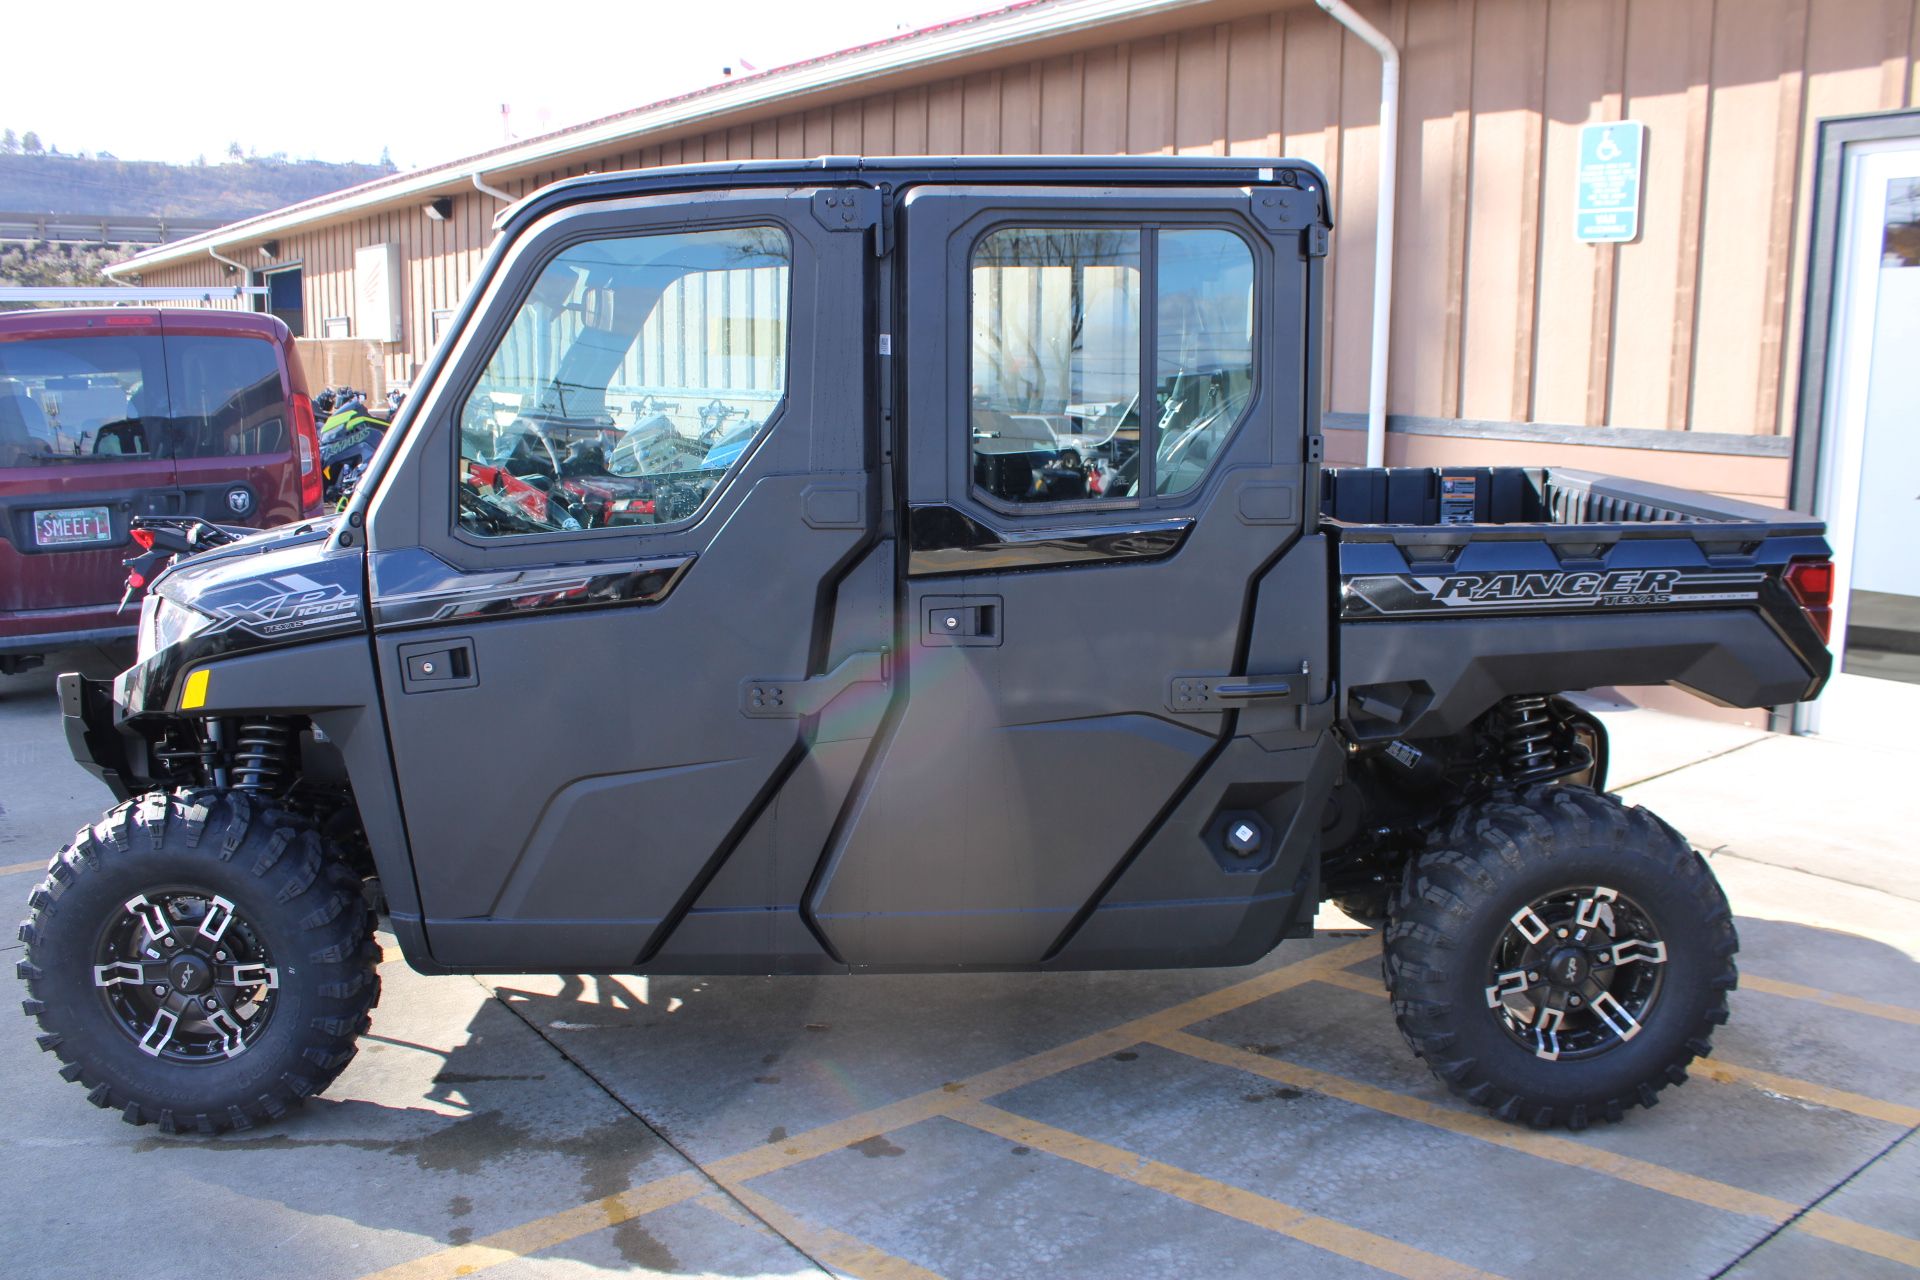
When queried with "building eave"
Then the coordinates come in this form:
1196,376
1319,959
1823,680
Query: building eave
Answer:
874,67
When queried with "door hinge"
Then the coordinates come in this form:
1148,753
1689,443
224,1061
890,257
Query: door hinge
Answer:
778,698
1313,241
1316,448
847,208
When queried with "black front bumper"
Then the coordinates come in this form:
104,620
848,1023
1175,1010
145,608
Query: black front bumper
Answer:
94,734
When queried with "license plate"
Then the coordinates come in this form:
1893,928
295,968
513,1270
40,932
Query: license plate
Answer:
74,526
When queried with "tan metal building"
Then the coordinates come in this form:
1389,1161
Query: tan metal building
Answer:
1673,356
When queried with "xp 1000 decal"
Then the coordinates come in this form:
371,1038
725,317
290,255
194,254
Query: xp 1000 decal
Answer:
1400,595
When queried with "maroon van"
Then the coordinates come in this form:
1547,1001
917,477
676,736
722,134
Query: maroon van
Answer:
115,413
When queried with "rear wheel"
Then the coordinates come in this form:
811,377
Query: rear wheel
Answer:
1558,957
199,961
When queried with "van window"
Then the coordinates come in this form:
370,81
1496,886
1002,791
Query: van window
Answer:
225,395
77,399
114,397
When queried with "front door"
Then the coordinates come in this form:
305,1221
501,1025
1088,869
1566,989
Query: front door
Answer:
609,577
1104,402
1871,471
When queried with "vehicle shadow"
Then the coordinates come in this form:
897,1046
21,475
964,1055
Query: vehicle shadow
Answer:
528,1106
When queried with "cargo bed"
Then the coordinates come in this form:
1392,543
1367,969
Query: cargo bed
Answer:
1499,496
1543,578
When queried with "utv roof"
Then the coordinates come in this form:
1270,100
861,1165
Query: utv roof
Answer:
890,172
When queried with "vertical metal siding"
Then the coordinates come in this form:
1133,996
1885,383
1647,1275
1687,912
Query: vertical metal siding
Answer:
1499,313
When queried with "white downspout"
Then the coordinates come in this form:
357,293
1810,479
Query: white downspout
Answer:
480,184
246,273
1343,13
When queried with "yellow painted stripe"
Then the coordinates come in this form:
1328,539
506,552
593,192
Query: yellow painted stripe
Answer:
1355,982
1723,1072
837,1249
545,1233
1855,1235
1220,1197
1805,1090
1832,999
1564,1151
1653,1177
18,867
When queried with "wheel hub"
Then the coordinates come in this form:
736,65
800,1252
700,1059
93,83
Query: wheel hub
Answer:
1576,973
185,976
190,975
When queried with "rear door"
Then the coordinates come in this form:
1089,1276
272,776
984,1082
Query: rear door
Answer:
83,417
1103,399
110,416
608,575
231,394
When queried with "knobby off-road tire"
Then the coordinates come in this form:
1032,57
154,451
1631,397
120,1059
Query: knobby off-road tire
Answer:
1635,947
271,917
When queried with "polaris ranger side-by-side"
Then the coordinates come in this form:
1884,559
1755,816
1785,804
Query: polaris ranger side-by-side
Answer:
884,565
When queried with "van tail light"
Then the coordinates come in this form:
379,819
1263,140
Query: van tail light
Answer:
1811,582
307,443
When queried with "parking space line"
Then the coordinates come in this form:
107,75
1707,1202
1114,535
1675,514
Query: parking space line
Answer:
1857,1235
1721,1071
544,1233
1859,1104
771,1157
1219,1197
18,867
1355,982
1833,999
824,1244
1653,1177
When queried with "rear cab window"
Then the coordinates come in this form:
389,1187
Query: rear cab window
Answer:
1057,394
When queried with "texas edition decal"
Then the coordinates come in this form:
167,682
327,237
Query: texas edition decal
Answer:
1403,595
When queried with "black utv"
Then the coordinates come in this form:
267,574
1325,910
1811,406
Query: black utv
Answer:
898,565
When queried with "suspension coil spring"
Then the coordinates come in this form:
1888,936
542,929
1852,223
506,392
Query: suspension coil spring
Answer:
262,755
1527,741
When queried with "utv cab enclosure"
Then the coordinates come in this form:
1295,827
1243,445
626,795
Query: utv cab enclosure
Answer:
910,564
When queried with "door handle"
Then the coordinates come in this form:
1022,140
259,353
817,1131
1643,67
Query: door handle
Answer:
429,665
960,620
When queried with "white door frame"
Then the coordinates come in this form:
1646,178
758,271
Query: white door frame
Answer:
1855,154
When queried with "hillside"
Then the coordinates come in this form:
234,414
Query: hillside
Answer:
70,184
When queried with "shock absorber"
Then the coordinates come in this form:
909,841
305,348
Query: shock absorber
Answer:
262,755
1527,748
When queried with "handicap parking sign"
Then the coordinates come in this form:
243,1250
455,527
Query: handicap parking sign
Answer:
1607,200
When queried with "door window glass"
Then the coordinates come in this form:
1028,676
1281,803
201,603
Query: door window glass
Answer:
1203,350
634,378
1055,399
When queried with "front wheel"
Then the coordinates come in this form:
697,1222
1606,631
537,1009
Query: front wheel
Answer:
1558,957
200,961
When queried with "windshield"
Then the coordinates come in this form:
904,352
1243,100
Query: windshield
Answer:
116,397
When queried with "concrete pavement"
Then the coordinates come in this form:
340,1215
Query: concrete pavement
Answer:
1255,1122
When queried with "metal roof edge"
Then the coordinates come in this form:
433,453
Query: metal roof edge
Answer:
930,46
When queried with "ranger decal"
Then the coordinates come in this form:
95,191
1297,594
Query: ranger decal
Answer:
1402,595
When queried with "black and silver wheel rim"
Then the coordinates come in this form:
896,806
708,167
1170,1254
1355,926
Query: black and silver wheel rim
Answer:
1576,974
186,976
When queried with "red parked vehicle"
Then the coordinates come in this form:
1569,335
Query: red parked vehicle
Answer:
110,414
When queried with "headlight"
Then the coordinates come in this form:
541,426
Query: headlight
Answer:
164,622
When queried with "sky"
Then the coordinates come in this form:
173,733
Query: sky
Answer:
176,82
